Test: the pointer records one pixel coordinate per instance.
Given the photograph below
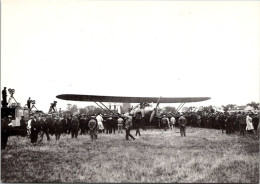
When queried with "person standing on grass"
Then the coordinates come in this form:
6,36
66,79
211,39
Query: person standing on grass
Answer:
172,122
229,125
5,131
43,129
128,126
74,127
138,124
93,128
165,122
34,130
255,121
120,122
221,120
100,123
182,124
241,119
249,124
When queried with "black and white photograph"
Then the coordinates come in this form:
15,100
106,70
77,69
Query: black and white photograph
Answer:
119,91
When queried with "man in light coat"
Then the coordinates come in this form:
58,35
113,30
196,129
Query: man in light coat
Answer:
100,123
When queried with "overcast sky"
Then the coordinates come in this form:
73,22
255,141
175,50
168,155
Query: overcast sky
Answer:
131,48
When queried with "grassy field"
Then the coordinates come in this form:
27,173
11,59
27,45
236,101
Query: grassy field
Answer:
157,156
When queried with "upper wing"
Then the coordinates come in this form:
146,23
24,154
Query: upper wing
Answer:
96,98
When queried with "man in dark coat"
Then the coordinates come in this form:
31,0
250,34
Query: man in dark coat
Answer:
4,96
229,125
241,119
74,127
92,124
44,128
194,120
109,125
82,125
165,122
114,124
255,121
69,121
128,127
29,103
57,127
34,130
182,123
138,124
5,131
221,120
23,125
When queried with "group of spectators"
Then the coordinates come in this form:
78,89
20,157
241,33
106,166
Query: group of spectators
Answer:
227,122
53,124
36,126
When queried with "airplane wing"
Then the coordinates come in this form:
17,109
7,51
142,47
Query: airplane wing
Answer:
96,98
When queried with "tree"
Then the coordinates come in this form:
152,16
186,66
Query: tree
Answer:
90,110
228,107
74,109
206,109
170,109
188,109
68,107
254,105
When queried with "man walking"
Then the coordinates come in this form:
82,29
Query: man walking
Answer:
128,126
182,124
44,128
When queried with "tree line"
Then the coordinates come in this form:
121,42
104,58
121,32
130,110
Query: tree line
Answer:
91,109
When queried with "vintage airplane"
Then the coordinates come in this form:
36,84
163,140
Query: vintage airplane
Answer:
145,108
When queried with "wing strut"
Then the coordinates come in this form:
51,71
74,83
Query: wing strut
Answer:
100,106
108,108
180,107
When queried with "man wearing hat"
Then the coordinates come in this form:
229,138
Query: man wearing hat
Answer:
74,127
93,128
34,130
82,124
23,126
44,129
182,123
57,127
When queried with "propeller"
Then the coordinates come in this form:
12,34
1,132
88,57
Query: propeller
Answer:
155,109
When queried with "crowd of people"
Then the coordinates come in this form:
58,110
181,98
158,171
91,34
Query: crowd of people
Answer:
228,123
54,124
38,126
